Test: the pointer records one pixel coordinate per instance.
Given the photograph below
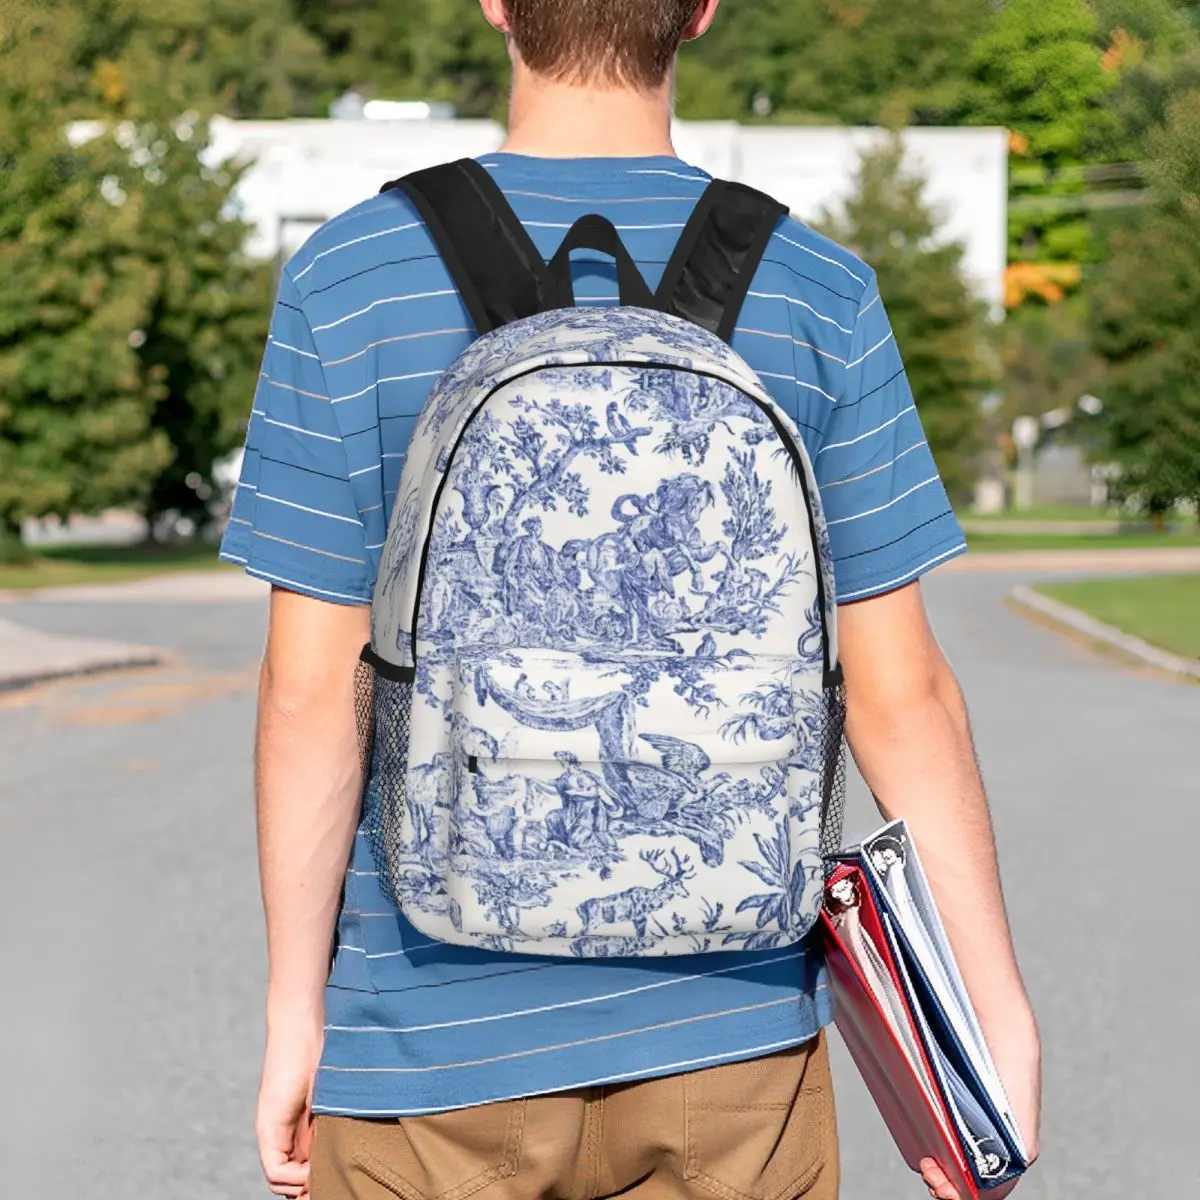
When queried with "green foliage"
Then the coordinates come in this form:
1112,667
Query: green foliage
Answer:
75,405
1146,324
1161,58
243,60
367,44
458,56
858,62
1049,362
205,330
939,324
440,50
129,322
1038,71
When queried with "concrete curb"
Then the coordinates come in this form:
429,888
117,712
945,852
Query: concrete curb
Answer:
1078,622
28,656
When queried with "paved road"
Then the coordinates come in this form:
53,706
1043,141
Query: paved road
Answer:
130,994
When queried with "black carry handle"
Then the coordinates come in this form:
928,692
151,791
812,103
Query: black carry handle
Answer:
598,233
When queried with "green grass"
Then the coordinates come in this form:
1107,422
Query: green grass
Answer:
1161,609
1081,541
66,566
1050,512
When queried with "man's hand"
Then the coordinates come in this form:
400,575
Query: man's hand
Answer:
283,1122
309,792
910,735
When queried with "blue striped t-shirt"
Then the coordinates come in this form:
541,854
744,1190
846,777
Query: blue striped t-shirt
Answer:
367,319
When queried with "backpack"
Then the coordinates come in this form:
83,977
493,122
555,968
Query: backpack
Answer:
601,707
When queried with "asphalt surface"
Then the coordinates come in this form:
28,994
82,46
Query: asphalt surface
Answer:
131,946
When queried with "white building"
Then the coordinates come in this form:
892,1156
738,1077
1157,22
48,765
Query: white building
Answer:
304,172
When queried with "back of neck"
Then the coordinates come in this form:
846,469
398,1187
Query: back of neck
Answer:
549,119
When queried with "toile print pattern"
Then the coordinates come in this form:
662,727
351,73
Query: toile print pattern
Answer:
618,717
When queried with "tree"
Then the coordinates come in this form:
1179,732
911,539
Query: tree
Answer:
1146,324
443,50
1039,71
204,332
1049,362
243,60
367,45
130,324
866,62
75,404
941,327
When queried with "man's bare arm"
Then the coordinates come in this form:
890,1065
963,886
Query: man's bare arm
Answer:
908,729
309,785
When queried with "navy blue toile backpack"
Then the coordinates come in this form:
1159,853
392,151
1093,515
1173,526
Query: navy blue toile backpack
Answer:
602,702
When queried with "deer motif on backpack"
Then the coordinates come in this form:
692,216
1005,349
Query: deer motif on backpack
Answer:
635,904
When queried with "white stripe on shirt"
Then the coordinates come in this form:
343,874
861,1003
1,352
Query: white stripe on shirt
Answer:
874,470
294,349
801,304
878,344
400,337
545,1008
270,537
387,300
354,242
599,1038
325,437
787,337
870,512
301,587
287,387
672,1068
870,432
316,512
907,577
823,257
384,379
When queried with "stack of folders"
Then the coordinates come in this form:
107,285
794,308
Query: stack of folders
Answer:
906,1018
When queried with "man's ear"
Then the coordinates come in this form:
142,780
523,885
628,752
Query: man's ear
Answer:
496,13
698,26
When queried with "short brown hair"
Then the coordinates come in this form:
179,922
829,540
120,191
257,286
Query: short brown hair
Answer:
629,42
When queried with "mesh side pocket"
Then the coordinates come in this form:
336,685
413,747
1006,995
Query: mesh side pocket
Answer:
386,801
364,714
833,770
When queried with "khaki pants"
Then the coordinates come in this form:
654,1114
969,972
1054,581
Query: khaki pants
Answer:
759,1130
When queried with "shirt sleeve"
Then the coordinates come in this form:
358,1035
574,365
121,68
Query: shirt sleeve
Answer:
294,522
889,518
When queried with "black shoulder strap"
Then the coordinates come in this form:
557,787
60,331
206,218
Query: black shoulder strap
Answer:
710,272
490,256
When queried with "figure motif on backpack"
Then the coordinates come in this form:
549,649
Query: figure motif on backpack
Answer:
608,713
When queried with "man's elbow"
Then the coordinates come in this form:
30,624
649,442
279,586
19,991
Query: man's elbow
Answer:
287,695
923,697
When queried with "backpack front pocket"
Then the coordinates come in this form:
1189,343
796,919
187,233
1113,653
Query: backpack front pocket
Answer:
624,804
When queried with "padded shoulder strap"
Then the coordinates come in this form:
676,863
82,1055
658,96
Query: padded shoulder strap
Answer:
490,256
710,271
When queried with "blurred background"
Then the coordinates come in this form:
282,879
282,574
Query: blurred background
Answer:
1024,176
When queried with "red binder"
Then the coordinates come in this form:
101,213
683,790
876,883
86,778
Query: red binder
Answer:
892,1060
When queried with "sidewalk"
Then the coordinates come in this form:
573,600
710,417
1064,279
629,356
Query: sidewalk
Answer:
1169,560
176,587
28,656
